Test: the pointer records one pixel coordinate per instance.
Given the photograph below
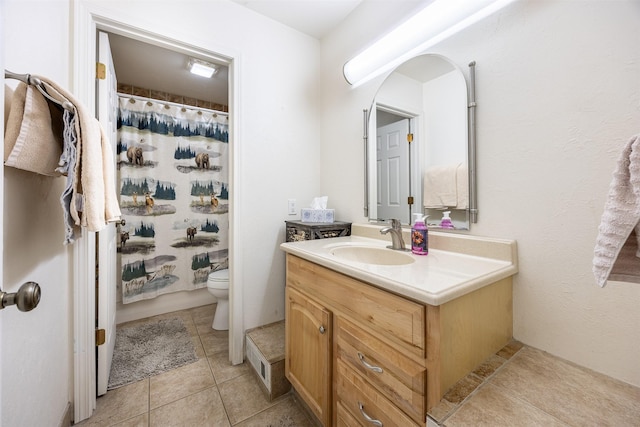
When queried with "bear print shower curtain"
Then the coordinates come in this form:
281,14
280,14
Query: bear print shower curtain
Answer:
173,173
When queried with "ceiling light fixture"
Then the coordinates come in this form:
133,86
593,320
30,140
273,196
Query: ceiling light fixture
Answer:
437,21
201,68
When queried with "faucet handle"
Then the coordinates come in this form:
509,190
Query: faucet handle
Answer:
395,224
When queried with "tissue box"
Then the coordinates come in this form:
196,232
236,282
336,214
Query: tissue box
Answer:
317,215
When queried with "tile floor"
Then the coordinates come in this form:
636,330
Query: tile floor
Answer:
519,386
209,392
523,386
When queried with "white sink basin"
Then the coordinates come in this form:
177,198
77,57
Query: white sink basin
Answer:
372,255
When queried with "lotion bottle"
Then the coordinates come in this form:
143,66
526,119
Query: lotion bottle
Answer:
419,235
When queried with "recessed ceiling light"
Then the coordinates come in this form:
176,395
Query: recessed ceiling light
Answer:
201,68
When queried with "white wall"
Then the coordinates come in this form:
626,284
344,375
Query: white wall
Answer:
278,145
278,124
36,347
558,91
445,115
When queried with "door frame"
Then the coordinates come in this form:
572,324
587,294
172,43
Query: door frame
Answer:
88,18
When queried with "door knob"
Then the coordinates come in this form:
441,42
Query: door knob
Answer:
27,297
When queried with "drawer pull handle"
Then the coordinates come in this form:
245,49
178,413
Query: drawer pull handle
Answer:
375,422
377,369
321,329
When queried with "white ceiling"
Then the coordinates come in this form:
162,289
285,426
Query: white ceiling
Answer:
313,17
156,68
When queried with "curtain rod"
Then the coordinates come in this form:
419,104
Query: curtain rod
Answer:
175,104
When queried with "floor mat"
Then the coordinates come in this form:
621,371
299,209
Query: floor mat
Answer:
148,349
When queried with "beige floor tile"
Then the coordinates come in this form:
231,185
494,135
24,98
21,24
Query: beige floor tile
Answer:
570,393
488,367
205,311
284,413
180,382
509,350
243,398
462,389
215,342
139,421
203,317
197,345
202,409
442,410
491,406
120,404
223,370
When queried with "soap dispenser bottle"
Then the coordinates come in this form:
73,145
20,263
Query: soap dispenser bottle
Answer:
446,220
419,235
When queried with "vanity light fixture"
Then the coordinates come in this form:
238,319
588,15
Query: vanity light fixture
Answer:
201,68
437,21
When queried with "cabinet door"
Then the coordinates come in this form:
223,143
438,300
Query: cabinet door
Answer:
308,352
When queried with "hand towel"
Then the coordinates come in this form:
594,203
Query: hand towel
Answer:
67,166
94,200
616,251
33,133
440,186
8,95
462,182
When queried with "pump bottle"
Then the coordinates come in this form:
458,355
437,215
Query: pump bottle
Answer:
419,235
446,220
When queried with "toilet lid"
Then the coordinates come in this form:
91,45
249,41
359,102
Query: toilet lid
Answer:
219,275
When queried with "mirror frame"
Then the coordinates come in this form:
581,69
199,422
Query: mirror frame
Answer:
472,210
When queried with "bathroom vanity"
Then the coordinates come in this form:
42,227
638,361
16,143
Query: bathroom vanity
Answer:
380,335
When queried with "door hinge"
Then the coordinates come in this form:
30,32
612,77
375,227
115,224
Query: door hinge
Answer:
101,71
409,138
100,337
410,200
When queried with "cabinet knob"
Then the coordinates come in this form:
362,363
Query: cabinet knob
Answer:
321,329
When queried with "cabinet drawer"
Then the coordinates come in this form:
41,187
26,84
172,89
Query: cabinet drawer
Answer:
362,400
395,375
344,417
402,320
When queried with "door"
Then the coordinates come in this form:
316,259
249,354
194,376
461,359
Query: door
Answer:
106,248
392,166
308,352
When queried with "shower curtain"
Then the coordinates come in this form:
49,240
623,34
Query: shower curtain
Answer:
173,172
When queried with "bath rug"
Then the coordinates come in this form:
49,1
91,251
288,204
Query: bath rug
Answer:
148,349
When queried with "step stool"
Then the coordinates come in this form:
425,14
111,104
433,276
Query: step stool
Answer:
265,353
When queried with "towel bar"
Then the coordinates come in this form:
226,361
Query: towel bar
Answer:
37,83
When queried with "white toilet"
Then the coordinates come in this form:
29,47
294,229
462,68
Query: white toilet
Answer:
218,285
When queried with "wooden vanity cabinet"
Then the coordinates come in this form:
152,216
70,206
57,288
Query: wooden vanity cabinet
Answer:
383,356
308,352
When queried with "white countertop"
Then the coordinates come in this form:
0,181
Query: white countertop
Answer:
435,279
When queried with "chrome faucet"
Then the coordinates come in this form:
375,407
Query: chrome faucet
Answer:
397,242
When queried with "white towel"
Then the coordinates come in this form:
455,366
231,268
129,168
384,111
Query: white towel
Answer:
33,133
94,201
440,186
462,182
616,255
